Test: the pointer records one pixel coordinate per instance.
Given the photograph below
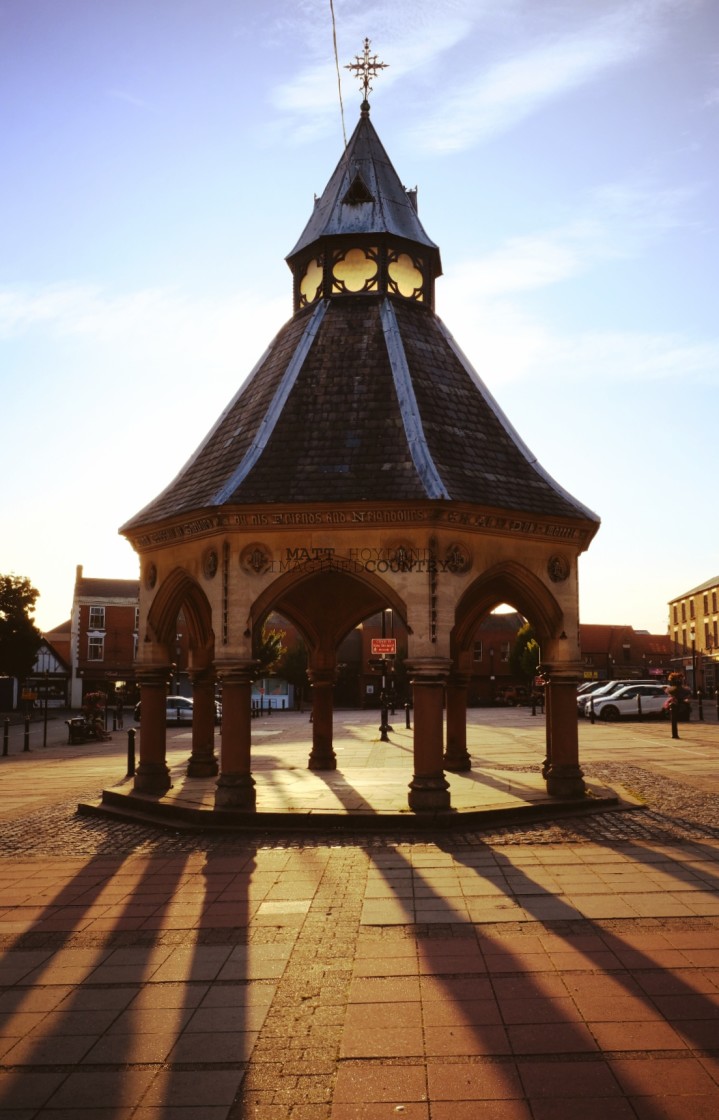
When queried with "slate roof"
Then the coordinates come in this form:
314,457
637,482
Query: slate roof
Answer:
363,397
356,400
380,204
87,588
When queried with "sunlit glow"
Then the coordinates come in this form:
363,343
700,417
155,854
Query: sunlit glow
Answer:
405,277
311,284
356,271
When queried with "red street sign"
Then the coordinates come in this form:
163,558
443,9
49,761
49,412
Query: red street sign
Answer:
384,647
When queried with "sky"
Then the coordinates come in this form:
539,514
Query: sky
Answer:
160,160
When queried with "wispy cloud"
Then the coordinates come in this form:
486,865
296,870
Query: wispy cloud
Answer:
409,34
510,91
509,344
483,300
617,221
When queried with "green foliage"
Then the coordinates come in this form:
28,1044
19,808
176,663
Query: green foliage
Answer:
269,650
293,666
19,636
524,657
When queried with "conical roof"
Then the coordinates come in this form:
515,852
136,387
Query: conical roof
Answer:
363,395
364,196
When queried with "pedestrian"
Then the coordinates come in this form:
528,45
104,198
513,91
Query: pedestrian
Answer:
119,710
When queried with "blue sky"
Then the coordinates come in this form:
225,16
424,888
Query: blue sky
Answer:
160,160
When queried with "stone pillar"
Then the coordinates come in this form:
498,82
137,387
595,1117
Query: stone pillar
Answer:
456,756
202,763
429,789
152,774
235,785
562,772
322,755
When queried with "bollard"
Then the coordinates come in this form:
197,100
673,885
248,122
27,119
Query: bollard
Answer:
5,736
701,707
675,721
406,715
639,706
534,705
26,737
591,711
131,752
114,721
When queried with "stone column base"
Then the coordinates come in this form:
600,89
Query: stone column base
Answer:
152,777
457,760
428,793
322,758
565,781
203,767
236,791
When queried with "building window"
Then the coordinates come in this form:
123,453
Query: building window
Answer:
95,647
675,615
134,647
714,602
137,618
706,603
691,608
477,651
684,612
97,618
504,651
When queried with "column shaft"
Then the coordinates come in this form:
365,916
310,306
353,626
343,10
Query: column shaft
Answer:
456,756
429,789
152,774
563,774
322,756
235,785
202,763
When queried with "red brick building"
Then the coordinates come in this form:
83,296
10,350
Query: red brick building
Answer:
103,636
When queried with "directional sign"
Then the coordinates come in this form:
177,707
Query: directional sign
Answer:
384,647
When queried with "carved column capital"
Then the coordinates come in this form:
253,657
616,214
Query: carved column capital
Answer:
236,671
429,670
153,676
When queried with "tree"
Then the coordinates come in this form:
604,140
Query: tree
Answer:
524,658
293,668
269,650
20,638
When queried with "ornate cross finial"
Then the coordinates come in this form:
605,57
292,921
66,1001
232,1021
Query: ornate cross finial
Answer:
366,67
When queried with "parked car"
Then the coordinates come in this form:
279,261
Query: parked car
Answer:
178,709
607,689
624,703
589,686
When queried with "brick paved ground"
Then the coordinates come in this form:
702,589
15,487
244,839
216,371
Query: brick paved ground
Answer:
524,973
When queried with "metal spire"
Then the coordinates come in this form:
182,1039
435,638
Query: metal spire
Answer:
365,68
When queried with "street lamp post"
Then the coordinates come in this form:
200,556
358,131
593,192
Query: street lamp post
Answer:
693,636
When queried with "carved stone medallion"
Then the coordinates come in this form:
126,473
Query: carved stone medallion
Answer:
558,568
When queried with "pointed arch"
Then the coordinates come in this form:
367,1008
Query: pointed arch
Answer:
179,591
507,582
326,600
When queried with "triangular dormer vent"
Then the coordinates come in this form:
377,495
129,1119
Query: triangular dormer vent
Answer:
358,192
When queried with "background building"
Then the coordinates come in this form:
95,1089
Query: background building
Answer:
103,636
694,631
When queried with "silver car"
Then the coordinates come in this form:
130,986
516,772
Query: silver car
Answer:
634,700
